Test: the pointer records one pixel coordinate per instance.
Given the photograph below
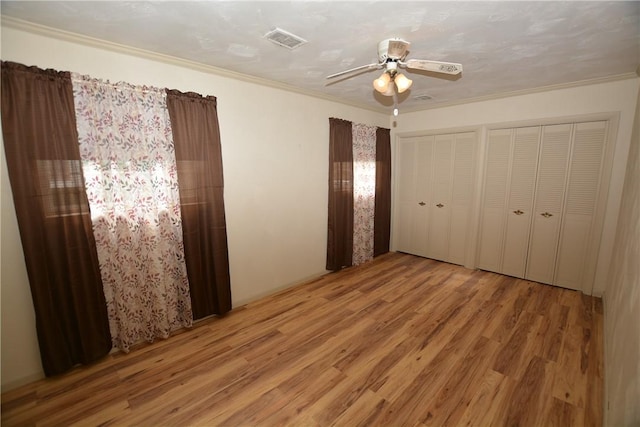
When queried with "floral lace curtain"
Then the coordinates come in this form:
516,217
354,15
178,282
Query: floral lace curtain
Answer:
364,191
130,176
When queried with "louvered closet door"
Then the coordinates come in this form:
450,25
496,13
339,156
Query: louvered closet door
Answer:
413,192
520,200
581,200
424,194
494,200
405,191
551,180
440,202
461,195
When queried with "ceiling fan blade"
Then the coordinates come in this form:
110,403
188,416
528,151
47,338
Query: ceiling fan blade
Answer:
362,67
435,66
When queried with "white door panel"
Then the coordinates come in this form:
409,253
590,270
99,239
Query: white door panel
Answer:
574,242
520,200
542,248
580,206
496,180
549,197
514,260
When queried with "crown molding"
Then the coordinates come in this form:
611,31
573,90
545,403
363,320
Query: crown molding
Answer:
43,30
588,82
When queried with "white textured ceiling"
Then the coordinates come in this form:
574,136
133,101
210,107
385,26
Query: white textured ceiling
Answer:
503,46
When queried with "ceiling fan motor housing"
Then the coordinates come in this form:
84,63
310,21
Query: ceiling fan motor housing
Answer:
393,50
391,67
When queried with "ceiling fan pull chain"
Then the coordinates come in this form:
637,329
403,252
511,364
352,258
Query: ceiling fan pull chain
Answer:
395,103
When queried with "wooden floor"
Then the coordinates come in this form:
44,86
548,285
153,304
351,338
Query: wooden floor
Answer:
398,341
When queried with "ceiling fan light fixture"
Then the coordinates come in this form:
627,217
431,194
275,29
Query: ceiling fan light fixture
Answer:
402,82
381,84
392,54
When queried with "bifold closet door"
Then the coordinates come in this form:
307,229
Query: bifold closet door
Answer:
520,200
439,204
434,194
461,195
413,191
542,204
508,199
494,200
577,241
547,215
452,170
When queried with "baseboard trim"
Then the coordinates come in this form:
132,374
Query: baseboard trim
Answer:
11,385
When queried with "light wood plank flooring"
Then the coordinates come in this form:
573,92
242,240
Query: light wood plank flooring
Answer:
398,341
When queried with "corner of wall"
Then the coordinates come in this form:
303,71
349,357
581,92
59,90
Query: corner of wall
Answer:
621,300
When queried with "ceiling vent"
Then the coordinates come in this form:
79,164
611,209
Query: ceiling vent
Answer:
284,38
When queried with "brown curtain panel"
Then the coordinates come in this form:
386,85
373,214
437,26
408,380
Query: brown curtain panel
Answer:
43,159
194,123
382,219
340,221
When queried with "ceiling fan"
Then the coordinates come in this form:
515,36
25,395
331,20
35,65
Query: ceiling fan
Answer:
392,54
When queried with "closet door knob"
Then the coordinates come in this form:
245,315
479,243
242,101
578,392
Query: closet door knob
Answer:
440,205
422,203
546,214
518,212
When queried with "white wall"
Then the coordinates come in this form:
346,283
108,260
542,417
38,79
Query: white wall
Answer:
622,302
275,154
20,353
613,97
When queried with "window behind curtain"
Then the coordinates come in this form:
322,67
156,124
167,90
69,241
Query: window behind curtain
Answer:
382,227
43,159
61,187
130,173
340,221
372,235
194,124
